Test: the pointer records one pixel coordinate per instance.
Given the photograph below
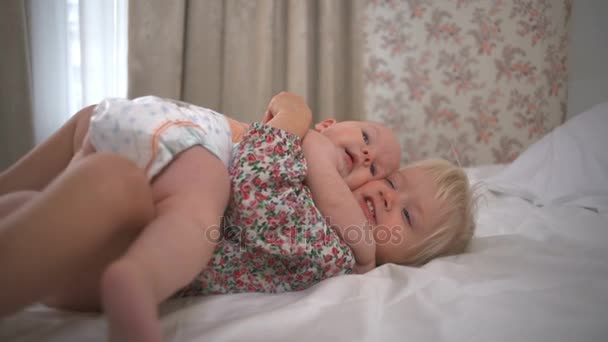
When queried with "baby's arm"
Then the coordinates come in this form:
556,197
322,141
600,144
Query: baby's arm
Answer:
335,200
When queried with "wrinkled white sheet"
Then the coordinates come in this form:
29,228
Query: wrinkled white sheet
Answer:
533,274
568,166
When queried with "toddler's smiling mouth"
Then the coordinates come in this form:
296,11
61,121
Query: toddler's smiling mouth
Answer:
369,210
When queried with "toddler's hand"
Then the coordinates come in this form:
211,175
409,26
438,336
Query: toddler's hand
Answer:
362,269
289,112
287,102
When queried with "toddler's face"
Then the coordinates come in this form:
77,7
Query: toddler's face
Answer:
402,210
369,150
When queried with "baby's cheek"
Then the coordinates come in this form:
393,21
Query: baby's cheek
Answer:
357,178
386,172
350,181
341,167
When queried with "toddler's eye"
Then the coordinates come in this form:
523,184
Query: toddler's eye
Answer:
365,137
390,183
406,215
372,169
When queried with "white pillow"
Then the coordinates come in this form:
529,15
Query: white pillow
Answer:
568,166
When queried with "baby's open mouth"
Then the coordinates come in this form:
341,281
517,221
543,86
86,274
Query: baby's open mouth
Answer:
350,161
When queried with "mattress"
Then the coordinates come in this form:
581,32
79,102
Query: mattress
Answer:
537,270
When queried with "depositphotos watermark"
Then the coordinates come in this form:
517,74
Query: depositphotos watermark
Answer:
239,234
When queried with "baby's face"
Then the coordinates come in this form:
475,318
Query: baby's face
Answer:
369,150
402,210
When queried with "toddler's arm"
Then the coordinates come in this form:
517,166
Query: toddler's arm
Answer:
335,200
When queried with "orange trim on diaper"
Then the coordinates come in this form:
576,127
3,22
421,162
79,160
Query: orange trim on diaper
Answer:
160,130
237,129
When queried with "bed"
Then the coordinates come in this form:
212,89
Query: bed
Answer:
537,270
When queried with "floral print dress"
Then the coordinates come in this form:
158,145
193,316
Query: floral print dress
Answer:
274,238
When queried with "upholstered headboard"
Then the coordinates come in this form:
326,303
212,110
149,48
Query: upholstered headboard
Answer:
473,80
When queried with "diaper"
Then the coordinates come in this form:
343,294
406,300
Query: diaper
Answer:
151,131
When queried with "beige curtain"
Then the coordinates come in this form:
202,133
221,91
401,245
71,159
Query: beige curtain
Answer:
233,55
16,130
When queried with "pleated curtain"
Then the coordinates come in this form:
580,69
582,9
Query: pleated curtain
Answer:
16,126
233,55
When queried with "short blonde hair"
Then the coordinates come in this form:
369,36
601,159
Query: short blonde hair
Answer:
456,219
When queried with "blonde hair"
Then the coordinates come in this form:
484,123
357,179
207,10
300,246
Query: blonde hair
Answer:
456,219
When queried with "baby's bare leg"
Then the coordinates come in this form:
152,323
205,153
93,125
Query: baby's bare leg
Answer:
43,163
65,231
192,196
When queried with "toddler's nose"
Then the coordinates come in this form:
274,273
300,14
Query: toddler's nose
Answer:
387,195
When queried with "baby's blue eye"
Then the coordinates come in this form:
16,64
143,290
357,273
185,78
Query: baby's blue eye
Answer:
365,137
406,215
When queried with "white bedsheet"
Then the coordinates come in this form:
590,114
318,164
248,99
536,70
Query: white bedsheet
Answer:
568,166
533,274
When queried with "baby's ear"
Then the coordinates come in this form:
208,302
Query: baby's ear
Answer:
323,125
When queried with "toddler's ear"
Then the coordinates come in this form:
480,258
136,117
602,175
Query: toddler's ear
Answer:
323,125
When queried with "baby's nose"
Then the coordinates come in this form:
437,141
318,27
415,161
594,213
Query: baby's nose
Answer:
368,157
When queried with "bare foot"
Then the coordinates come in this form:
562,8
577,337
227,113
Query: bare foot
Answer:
129,304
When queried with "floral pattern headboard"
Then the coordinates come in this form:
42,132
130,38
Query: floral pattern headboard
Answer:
473,81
